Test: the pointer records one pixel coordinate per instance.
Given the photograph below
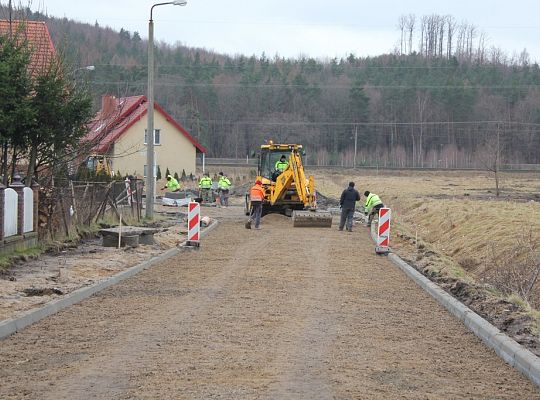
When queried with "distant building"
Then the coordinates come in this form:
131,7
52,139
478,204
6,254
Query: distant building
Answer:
118,132
39,41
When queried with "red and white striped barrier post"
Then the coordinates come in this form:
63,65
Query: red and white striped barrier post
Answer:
194,225
383,231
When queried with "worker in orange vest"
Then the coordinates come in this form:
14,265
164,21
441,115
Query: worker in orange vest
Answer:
256,197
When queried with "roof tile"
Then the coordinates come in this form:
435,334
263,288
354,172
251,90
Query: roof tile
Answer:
105,130
39,39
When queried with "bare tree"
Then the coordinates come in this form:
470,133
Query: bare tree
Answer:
490,157
422,99
497,56
423,34
441,23
471,34
481,50
402,21
524,58
461,41
450,29
411,21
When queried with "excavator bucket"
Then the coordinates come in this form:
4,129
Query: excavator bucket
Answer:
314,219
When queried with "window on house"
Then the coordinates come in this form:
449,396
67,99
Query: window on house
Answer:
157,136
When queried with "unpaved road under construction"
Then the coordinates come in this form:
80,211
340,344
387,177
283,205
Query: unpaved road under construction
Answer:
280,313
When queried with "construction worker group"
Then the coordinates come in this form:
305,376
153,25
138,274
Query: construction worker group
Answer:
347,203
206,186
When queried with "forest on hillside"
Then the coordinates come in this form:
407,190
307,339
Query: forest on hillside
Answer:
441,98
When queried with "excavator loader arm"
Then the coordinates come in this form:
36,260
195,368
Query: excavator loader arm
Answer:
294,176
283,183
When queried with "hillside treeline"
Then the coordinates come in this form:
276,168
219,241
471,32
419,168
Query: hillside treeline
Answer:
441,99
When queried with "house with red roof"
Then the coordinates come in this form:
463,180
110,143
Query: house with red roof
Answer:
118,132
36,34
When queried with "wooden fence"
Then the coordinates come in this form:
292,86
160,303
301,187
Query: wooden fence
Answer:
58,209
69,205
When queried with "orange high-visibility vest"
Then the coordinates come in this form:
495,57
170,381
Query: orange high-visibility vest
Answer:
256,193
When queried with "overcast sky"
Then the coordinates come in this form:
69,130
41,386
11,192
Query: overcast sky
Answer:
317,28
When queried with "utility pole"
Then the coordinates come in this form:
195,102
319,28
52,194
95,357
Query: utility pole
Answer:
497,161
150,182
355,144
10,19
150,162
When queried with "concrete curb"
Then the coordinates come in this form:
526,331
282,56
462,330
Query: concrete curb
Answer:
10,326
508,349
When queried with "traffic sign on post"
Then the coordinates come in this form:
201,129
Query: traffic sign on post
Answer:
383,231
194,225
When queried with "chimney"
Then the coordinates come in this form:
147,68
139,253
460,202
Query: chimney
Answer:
108,105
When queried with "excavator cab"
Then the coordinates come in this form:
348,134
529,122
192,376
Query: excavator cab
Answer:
267,163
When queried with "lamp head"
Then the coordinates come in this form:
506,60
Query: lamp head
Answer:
179,3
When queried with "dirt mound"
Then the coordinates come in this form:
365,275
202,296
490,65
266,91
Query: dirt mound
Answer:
276,219
324,201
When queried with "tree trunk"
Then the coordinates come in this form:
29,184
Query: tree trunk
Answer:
13,163
497,191
4,164
31,165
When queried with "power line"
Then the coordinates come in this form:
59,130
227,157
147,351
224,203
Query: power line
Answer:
277,86
381,123
319,66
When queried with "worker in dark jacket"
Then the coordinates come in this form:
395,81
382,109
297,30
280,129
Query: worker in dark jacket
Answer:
347,202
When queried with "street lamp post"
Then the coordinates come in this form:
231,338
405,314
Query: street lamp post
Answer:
150,179
87,68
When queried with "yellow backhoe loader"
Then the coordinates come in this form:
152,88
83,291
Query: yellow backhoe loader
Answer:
288,191
99,163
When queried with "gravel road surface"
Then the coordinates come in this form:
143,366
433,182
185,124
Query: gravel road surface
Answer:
279,313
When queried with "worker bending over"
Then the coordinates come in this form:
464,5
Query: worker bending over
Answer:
224,185
372,206
256,197
172,184
347,202
205,187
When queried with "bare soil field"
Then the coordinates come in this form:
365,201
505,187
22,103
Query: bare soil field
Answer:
278,313
452,227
